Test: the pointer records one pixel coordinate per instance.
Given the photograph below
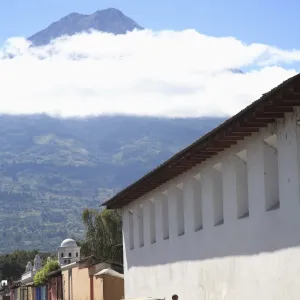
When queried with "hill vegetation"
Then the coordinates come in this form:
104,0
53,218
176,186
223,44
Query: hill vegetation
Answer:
102,239
51,169
12,265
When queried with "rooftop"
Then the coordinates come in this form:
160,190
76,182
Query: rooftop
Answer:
270,107
68,243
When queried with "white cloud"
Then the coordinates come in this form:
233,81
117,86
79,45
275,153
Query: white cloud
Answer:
143,73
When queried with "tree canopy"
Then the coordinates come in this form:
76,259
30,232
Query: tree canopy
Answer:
103,236
41,276
103,239
13,264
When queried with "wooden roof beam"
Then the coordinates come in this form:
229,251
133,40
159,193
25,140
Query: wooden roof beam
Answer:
254,122
221,145
238,131
286,103
278,109
239,135
227,139
250,126
218,149
207,152
293,94
268,116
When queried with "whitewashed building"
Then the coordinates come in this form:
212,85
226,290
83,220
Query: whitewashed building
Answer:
68,252
221,219
30,270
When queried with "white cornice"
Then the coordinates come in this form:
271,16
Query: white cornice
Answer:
69,266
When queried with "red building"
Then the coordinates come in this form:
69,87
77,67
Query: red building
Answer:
55,286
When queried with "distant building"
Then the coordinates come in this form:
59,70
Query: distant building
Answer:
221,219
91,279
24,288
30,270
55,286
68,252
4,290
85,278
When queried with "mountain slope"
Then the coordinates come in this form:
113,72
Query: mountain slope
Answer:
109,20
50,168
53,168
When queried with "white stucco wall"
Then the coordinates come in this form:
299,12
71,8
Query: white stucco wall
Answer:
246,257
75,255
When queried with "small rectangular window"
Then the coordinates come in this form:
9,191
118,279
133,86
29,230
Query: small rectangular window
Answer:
217,182
165,217
70,254
152,222
61,255
65,261
76,254
271,173
180,213
131,233
197,205
141,225
242,185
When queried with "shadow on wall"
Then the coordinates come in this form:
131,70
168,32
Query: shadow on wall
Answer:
269,232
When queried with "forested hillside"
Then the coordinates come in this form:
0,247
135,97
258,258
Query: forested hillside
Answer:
51,168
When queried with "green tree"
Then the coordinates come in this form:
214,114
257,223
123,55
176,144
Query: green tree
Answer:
103,236
41,276
13,264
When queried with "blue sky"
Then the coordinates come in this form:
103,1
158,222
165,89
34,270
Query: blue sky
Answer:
271,22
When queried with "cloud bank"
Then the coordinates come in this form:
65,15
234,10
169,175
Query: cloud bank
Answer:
167,74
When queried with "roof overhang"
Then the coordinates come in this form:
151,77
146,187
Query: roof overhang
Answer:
69,266
270,107
109,272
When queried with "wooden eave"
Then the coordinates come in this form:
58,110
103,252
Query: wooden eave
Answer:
270,107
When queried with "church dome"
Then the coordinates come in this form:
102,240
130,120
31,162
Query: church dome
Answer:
68,243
